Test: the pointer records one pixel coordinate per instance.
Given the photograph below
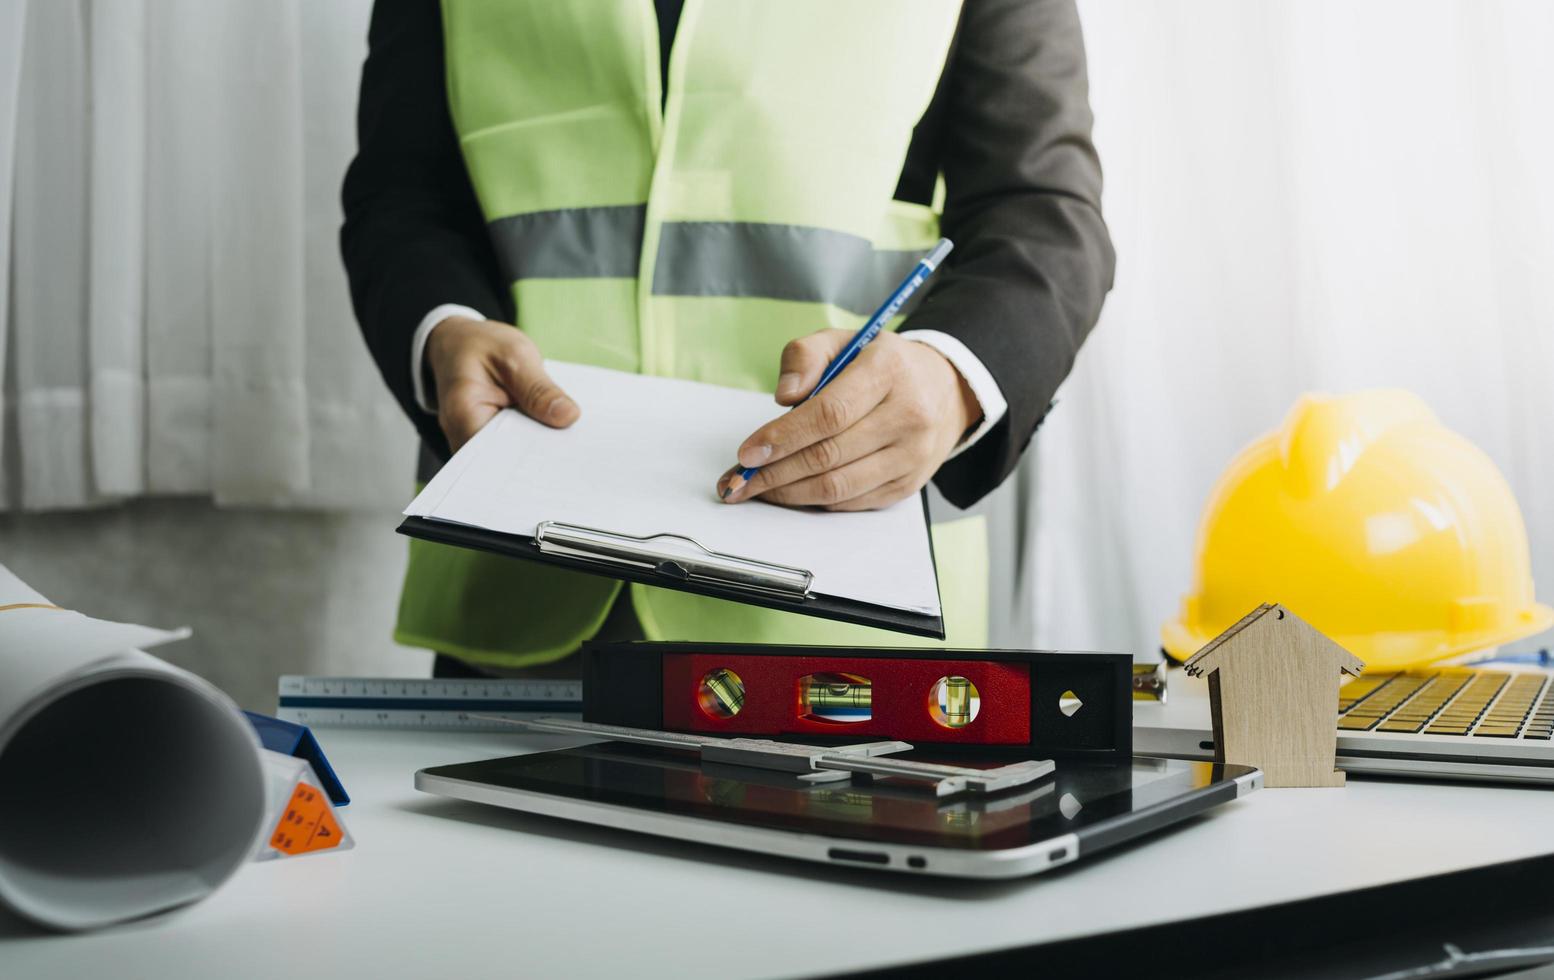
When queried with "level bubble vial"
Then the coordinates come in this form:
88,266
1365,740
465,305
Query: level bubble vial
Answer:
846,698
721,693
954,702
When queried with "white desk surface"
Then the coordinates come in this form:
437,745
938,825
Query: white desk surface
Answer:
438,888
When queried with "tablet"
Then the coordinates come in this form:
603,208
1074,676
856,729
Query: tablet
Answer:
1077,812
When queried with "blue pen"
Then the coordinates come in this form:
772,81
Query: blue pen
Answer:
870,329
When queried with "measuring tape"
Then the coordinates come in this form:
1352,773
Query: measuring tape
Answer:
397,702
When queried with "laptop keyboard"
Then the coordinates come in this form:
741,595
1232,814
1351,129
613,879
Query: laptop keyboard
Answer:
1449,701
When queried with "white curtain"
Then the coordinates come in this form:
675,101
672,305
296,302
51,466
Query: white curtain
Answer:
1322,194
177,319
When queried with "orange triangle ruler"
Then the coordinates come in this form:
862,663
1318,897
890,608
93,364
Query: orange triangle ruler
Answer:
302,820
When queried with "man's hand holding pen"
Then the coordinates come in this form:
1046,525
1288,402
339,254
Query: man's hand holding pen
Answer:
872,437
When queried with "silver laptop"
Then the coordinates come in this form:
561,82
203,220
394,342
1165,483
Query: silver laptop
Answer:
1494,724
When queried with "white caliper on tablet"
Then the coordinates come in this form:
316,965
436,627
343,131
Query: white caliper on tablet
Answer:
814,763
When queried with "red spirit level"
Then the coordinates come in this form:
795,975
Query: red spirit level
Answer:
1060,705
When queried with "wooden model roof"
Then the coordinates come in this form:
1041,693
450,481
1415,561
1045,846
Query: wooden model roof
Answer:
1202,661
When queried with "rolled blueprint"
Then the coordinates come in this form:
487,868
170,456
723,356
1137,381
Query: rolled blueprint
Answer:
127,786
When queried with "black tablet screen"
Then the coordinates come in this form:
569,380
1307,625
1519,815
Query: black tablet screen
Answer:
1074,799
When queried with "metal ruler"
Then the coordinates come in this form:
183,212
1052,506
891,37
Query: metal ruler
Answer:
398,702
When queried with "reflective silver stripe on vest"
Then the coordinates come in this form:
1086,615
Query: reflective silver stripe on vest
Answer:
703,258
572,243
793,262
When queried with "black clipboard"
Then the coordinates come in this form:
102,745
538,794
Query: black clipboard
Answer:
675,561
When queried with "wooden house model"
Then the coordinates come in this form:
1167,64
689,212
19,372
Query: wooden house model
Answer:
1273,689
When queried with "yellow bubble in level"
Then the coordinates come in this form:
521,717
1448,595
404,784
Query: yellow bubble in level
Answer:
721,693
836,697
954,702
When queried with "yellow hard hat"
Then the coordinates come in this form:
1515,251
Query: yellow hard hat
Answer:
1390,533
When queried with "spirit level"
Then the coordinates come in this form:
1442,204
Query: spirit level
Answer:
1071,705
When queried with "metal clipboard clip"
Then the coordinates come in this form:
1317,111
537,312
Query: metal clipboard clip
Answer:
673,556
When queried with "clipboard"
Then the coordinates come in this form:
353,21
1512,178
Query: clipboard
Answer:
675,561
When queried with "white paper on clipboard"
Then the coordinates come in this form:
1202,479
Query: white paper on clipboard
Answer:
642,460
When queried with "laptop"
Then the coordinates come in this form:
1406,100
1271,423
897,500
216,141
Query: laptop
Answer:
1078,811
1462,723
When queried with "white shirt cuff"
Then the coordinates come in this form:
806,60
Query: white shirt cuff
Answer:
428,400
977,376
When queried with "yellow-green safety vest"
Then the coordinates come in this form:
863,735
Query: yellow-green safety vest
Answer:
690,236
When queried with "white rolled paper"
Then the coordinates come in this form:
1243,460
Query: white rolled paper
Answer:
127,786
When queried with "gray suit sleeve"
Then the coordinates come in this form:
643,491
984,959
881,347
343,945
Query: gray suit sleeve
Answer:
1033,260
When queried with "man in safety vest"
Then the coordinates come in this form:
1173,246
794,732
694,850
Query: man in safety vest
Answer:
722,190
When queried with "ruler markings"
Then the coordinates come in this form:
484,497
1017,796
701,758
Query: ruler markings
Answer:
368,702
429,704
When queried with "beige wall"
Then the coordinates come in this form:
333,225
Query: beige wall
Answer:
267,592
